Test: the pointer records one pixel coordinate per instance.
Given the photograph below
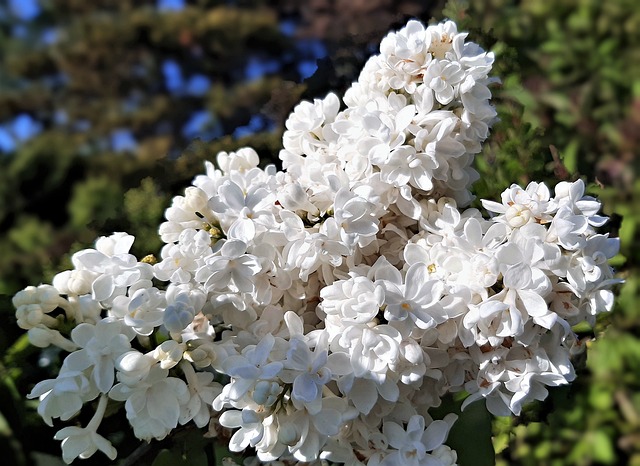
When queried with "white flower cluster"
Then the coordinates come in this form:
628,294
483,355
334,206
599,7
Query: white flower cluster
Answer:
322,311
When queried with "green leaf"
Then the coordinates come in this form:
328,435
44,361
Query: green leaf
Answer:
471,435
5,303
602,448
168,458
222,452
188,448
570,155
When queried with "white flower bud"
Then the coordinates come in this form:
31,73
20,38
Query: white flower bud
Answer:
43,337
242,160
201,356
265,392
261,392
74,282
27,296
446,455
117,243
61,281
29,316
40,336
195,199
133,367
288,434
89,308
178,315
169,353
517,215
48,297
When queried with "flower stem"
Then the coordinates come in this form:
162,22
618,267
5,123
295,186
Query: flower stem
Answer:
99,414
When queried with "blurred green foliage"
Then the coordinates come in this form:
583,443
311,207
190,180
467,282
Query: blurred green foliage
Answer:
569,106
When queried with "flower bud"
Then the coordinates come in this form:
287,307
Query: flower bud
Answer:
288,434
29,316
178,315
195,199
517,215
261,392
40,336
242,160
74,282
446,455
133,367
27,296
169,353
48,297
117,243
89,308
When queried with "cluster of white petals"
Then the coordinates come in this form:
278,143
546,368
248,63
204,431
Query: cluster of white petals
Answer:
323,310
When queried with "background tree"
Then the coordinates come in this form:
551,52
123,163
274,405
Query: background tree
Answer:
107,109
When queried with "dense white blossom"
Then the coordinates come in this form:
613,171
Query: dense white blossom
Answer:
323,310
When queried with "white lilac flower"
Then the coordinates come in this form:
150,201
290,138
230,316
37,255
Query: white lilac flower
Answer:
203,353
354,301
294,198
115,272
248,368
406,165
63,396
231,268
168,353
239,161
134,366
142,308
411,446
436,136
521,262
309,372
101,345
183,303
305,124
569,230
314,250
443,76
571,195
377,132
305,434
244,214
153,405
441,38
404,52
373,351
490,323
356,217
416,300
87,307
181,260
83,442
521,206
252,426
203,391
